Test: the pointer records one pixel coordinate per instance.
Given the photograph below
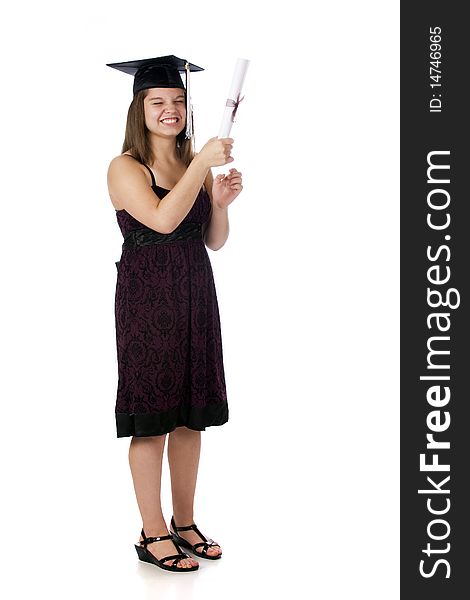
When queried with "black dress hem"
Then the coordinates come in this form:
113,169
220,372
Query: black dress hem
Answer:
148,424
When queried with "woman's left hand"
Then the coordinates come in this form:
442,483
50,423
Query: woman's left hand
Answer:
226,188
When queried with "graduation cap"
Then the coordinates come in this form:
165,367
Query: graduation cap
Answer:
161,72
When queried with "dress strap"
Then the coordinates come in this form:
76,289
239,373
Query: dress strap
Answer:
151,174
154,184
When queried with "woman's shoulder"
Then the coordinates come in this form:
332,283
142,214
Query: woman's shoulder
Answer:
123,163
126,161
125,157
121,167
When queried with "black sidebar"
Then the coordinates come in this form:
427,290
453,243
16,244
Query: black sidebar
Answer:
435,300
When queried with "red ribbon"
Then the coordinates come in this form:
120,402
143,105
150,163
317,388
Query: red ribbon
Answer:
235,104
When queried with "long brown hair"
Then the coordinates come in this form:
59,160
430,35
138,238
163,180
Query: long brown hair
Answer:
136,138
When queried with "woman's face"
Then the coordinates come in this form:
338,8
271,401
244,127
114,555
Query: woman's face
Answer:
165,111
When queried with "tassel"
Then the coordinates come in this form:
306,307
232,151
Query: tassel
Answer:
189,111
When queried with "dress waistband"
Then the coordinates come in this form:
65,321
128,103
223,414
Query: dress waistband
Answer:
145,236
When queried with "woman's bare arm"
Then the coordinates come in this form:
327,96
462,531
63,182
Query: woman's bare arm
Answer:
128,185
217,229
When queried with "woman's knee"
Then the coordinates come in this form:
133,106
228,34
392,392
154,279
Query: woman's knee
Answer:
149,439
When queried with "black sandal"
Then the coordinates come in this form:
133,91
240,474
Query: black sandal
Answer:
145,555
207,543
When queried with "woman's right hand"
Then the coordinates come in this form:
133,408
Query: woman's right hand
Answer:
216,152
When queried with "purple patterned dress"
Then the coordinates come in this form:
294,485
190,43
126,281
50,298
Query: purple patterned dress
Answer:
168,333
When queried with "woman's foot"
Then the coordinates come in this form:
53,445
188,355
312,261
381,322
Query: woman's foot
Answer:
166,548
193,538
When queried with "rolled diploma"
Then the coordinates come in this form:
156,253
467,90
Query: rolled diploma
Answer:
235,91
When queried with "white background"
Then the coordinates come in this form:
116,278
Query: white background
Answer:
300,487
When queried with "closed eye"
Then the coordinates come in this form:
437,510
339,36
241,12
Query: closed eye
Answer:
157,103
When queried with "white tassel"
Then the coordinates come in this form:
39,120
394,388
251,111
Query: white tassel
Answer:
189,108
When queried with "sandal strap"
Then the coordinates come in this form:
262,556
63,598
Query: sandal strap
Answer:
187,528
201,535
184,528
176,557
149,540
206,545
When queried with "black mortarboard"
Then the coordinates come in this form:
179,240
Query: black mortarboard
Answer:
163,72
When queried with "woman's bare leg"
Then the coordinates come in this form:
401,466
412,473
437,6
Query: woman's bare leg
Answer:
145,460
184,449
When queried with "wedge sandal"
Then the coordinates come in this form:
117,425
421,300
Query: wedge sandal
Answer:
145,555
207,543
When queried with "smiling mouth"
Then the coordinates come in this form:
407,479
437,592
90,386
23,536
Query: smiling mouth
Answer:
170,120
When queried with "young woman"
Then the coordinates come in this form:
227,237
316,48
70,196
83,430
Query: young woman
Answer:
168,334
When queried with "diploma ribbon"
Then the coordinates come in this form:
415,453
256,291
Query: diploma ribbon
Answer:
235,104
